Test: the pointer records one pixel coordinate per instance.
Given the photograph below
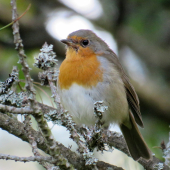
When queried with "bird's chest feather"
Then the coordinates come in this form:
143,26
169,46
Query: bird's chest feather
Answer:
81,69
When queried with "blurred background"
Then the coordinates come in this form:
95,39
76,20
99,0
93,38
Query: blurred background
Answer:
139,33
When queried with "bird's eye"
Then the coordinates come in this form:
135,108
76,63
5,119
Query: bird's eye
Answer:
85,43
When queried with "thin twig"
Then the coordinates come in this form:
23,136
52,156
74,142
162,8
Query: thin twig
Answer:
22,57
17,18
27,159
31,139
15,110
54,93
44,93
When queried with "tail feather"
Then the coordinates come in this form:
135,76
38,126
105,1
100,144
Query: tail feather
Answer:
135,142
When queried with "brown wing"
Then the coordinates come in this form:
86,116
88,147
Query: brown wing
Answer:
132,97
132,100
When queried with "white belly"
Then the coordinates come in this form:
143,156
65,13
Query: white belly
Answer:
80,104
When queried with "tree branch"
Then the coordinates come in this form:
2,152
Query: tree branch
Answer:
17,128
15,110
27,159
22,57
114,139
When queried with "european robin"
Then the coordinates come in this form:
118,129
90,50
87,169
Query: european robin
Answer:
92,72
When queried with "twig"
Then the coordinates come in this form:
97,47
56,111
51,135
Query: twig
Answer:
44,93
27,159
31,139
17,18
54,93
22,57
53,148
15,110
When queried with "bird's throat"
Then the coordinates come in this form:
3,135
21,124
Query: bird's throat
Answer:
83,70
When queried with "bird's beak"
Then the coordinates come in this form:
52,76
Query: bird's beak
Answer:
68,42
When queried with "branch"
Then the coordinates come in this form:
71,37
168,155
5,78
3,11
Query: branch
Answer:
27,123
15,110
22,57
54,92
113,139
25,110
16,128
27,159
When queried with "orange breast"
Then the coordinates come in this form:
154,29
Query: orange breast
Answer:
80,67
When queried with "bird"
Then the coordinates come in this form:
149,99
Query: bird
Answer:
91,72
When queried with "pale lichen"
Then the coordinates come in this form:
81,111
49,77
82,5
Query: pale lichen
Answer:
47,58
14,99
167,153
158,166
6,85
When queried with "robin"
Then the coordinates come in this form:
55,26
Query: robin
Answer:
92,72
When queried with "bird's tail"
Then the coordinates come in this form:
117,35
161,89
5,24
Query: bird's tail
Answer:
135,142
